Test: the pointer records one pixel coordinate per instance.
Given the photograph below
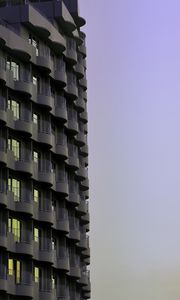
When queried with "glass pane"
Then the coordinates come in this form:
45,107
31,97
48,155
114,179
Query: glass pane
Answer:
10,266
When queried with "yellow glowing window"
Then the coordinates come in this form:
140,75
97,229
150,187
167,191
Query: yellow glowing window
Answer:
36,195
14,187
15,107
10,266
14,226
36,274
35,118
14,146
35,156
18,271
16,229
36,234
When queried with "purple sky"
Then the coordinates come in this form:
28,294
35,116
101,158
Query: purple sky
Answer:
134,140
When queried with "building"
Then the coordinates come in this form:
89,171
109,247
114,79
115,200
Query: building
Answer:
44,218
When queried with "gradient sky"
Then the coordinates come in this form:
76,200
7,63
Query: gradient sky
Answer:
134,140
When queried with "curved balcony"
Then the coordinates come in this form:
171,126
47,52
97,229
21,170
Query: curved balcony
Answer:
62,263
81,139
44,62
74,234
24,247
45,137
83,83
62,150
82,50
3,283
62,187
84,280
46,295
84,116
46,255
46,216
60,109
3,155
3,75
84,184
82,207
85,218
79,69
83,244
73,162
60,76
3,236
84,150
74,198
86,194
71,55
62,224
22,205
3,198
3,110
72,125
45,100
75,272
72,90
23,125
23,86
87,288
81,173
21,246
46,177
80,104
24,289
24,165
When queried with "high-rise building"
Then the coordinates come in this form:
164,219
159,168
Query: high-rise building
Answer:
44,218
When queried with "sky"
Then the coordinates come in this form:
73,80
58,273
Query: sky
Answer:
133,77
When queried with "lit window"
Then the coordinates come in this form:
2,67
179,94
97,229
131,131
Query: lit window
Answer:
35,43
15,107
35,118
53,243
53,281
36,234
14,187
35,156
14,226
14,67
10,267
36,274
36,195
14,146
34,80
18,271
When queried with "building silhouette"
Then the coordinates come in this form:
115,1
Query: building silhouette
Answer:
44,218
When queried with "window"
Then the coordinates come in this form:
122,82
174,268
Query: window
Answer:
36,234
12,65
15,107
14,146
53,205
36,195
35,80
36,274
14,226
35,43
35,118
53,281
14,187
10,266
53,243
18,271
35,156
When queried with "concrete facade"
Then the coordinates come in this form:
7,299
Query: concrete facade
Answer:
44,187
